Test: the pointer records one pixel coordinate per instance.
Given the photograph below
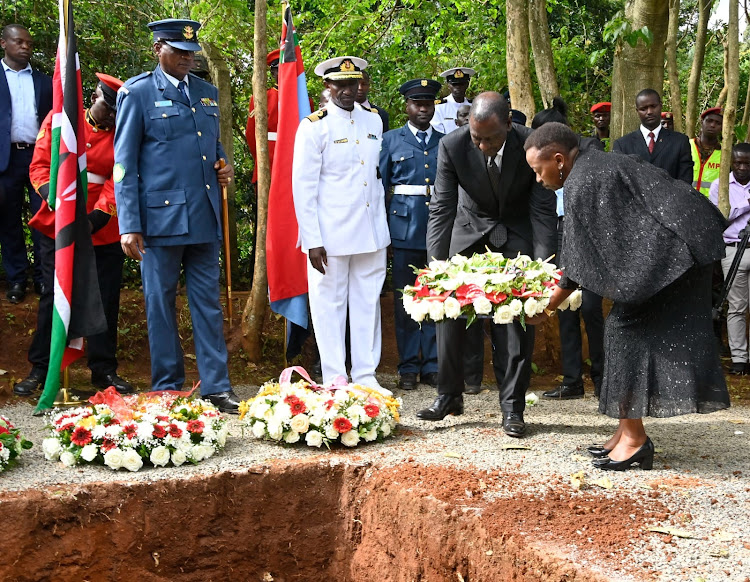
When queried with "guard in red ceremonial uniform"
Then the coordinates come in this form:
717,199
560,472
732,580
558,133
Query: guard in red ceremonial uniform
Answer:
105,234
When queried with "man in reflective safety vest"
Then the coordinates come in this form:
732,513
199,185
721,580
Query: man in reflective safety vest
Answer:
706,150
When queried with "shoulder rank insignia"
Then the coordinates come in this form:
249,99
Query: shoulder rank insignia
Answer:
318,115
440,101
344,140
373,109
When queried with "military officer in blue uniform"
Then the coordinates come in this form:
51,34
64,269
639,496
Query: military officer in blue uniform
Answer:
168,188
408,162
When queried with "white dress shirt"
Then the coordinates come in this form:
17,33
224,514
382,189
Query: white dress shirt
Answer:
24,125
645,131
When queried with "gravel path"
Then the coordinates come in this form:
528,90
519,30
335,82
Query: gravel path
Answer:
701,469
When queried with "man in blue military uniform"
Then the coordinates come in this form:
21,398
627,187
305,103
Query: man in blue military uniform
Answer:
408,162
168,188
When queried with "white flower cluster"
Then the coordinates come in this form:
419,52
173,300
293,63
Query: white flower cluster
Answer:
12,444
485,285
154,429
349,414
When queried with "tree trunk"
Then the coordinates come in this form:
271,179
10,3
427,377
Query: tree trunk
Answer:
730,109
746,113
542,48
675,96
220,77
723,93
254,314
699,52
517,57
640,67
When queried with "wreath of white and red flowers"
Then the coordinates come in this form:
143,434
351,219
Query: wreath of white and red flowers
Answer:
484,285
12,444
339,412
158,428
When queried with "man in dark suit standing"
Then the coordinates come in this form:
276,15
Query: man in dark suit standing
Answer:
485,196
664,148
25,100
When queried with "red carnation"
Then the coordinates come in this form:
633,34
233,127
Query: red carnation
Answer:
372,410
298,407
342,424
130,430
107,445
291,399
195,426
81,436
175,431
159,431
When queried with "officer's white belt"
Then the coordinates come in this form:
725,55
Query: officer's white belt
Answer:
96,178
271,136
413,190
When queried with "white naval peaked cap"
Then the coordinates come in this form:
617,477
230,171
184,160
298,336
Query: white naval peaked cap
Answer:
457,73
345,67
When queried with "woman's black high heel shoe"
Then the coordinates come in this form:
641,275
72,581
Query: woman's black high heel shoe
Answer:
644,457
598,451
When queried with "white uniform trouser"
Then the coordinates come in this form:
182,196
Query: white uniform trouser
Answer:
739,300
354,281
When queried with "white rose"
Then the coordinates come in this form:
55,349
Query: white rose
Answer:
408,300
531,399
531,307
482,305
576,299
275,429
450,284
516,307
419,310
196,453
385,429
564,305
207,451
282,411
178,457
331,433
503,315
350,438
300,423
259,429
291,437
68,459
543,302
113,458
437,310
371,434
131,460
159,456
89,452
259,408
436,265
452,308
51,448
314,438
221,439
356,414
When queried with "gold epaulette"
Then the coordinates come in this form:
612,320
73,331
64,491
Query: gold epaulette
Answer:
440,101
318,115
373,110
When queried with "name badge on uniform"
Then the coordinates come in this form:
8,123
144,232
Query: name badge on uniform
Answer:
208,102
345,140
167,103
372,136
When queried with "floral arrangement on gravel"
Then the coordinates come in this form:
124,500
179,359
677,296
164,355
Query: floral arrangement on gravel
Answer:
12,444
484,285
125,432
339,412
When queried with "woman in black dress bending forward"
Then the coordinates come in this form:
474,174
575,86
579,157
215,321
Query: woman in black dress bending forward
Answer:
648,242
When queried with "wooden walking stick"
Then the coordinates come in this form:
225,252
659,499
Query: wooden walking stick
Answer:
227,251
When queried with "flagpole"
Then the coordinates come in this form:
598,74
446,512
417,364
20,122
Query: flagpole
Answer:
227,244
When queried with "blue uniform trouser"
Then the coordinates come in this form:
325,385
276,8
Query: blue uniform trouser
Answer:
14,184
412,341
160,270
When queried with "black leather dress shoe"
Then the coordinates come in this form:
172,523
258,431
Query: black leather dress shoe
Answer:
444,405
472,389
16,292
738,369
33,382
643,457
227,402
407,381
430,378
104,381
597,451
39,288
565,392
513,424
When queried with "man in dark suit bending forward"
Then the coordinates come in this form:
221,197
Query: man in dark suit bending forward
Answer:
485,196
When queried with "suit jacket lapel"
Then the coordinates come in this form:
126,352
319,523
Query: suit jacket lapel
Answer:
484,195
410,138
170,92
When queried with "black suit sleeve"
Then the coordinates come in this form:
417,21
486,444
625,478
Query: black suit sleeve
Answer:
385,118
617,146
543,216
443,206
385,169
685,162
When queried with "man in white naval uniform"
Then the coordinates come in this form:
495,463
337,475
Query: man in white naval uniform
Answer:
340,205
446,109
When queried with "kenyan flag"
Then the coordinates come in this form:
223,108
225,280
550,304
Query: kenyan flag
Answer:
78,310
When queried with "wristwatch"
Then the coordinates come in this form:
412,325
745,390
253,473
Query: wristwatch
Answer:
549,312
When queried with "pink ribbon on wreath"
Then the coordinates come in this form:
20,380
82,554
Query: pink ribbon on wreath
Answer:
339,382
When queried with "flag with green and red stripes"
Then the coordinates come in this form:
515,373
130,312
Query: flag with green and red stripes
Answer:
78,310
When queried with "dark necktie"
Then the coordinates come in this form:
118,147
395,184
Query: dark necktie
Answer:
494,173
651,142
181,87
499,234
422,137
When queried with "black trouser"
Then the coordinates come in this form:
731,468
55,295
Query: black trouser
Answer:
570,340
102,347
